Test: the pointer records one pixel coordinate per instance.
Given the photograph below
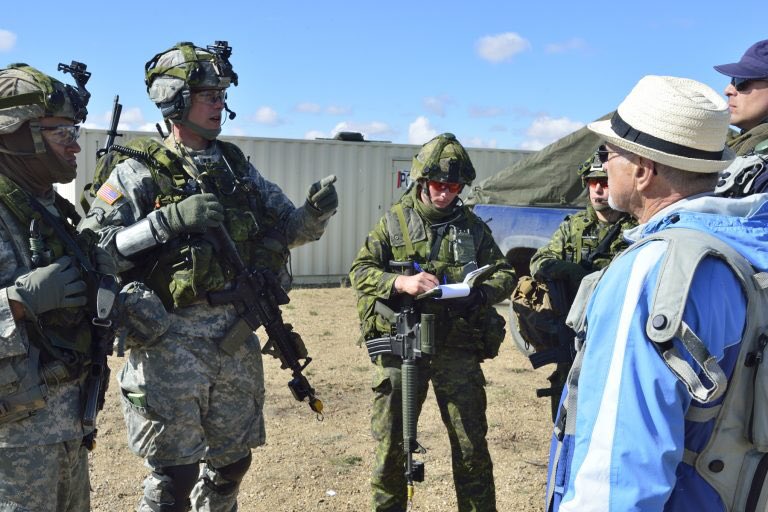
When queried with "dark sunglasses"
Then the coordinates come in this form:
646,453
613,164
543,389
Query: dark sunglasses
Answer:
603,152
741,84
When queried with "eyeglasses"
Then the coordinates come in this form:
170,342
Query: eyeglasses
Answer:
211,96
741,84
64,134
603,152
453,188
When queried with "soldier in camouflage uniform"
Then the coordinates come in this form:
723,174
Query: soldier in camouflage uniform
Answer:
430,225
186,397
45,336
583,243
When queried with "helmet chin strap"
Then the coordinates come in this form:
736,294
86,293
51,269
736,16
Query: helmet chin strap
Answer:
206,133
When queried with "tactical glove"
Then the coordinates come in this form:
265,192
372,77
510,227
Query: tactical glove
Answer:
54,286
322,198
195,214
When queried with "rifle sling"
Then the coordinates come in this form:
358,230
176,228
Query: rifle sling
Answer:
56,225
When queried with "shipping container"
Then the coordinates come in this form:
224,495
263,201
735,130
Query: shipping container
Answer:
371,175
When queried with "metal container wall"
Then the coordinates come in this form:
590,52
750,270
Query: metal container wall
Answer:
370,176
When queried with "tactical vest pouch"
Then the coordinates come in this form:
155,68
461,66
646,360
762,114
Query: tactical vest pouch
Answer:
241,225
493,334
539,319
22,391
205,274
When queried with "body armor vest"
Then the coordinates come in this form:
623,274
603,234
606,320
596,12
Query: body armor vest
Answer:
62,334
586,245
453,245
182,270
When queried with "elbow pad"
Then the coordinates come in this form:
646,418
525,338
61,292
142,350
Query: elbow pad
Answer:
143,235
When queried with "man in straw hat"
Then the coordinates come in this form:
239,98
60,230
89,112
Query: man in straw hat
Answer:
633,422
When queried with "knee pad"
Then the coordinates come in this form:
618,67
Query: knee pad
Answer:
226,479
168,488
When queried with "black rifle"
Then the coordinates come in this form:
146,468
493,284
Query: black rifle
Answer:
102,292
112,134
412,337
257,297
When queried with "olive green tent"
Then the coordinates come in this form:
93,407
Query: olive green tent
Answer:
545,178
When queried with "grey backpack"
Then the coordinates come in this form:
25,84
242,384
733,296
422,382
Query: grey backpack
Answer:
735,459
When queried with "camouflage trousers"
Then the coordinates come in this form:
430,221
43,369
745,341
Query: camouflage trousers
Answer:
458,384
46,478
185,401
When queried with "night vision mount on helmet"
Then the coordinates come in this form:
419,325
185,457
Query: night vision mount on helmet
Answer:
443,159
173,74
592,168
27,94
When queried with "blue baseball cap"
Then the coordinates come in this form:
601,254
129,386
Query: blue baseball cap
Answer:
753,64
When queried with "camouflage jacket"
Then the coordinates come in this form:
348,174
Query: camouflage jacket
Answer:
58,416
745,142
133,190
570,253
466,241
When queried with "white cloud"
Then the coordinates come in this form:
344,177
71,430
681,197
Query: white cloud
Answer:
544,130
315,108
150,127
7,40
436,104
420,131
337,110
369,129
501,47
267,115
315,134
131,116
573,44
309,108
486,111
477,142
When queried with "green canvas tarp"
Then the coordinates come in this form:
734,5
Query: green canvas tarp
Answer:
547,177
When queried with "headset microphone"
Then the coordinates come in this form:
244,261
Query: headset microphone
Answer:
232,115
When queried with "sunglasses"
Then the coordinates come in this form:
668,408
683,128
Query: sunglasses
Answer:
593,182
64,134
603,152
453,188
211,97
741,84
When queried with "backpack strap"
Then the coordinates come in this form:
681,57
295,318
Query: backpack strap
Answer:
687,249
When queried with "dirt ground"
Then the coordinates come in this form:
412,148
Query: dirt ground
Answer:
325,465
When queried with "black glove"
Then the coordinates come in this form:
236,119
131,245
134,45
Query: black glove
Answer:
194,214
54,286
322,197
477,297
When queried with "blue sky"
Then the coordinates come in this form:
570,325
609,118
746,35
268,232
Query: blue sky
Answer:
505,74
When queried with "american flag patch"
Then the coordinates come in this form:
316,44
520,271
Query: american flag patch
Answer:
109,194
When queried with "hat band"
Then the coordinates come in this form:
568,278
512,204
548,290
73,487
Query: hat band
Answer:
626,132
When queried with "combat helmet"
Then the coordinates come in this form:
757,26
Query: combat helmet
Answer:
27,94
592,168
173,74
443,159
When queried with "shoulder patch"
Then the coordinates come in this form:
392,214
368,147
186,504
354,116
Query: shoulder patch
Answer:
109,194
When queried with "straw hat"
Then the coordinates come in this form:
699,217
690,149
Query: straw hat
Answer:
674,121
